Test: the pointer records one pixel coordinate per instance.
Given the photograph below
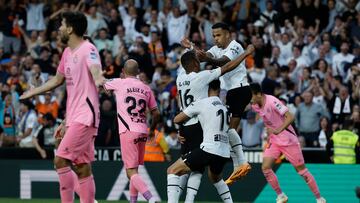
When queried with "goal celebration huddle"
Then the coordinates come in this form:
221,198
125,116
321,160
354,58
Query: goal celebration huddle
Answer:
207,124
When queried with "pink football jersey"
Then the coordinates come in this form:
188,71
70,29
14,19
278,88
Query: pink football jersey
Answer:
272,114
82,105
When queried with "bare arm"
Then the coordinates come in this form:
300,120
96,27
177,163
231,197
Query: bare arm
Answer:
26,37
51,84
78,6
155,113
180,118
289,118
97,75
201,31
26,133
55,14
235,63
208,57
38,148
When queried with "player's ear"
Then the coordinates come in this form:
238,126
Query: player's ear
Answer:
69,30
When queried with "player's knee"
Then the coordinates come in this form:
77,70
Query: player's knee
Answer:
265,167
131,172
60,162
214,178
300,168
82,170
170,170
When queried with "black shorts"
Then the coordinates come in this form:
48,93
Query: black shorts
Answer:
237,99
198,159
193,135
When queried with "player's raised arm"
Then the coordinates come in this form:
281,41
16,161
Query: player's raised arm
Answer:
209,58
235,63
51,84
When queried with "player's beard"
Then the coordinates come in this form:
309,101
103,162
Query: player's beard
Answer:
64,38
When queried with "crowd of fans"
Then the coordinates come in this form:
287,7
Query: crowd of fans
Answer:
307,54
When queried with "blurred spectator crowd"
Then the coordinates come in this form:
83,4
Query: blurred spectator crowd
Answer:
307,54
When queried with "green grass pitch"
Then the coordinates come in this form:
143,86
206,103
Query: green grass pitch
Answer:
13,200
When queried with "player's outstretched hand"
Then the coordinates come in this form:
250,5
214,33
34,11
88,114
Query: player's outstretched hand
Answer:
59,132
185,42
26,95
272,131
201,55
250,49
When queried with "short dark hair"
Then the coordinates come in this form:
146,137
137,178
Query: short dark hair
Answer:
88,38
77,21
255,88
221,25
187,58
28,103
49,117
214,85
348,124
165,73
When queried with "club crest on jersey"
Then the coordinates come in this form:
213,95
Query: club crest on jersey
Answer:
278,106
235,50
93,55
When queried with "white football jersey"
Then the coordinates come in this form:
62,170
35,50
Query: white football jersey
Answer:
194,86
238,76
214,119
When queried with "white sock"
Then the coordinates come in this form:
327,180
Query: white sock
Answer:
236,147
152,200
193,186
223,191
182,183
173,189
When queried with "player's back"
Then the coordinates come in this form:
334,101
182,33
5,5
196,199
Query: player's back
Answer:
214,120
132,98
193,87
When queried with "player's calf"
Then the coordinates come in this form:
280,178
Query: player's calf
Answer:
221,187
309,179
173,180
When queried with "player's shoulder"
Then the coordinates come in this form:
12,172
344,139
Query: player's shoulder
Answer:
271,98
66,51
235,44
89,47
214,49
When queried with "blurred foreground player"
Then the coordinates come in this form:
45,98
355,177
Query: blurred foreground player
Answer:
80,66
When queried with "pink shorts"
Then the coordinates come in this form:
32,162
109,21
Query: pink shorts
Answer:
292,153
132,148
78,144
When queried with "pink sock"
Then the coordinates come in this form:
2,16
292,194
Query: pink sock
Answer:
133,193
66,181
76,183
310,180
140,186
272,180
87,189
